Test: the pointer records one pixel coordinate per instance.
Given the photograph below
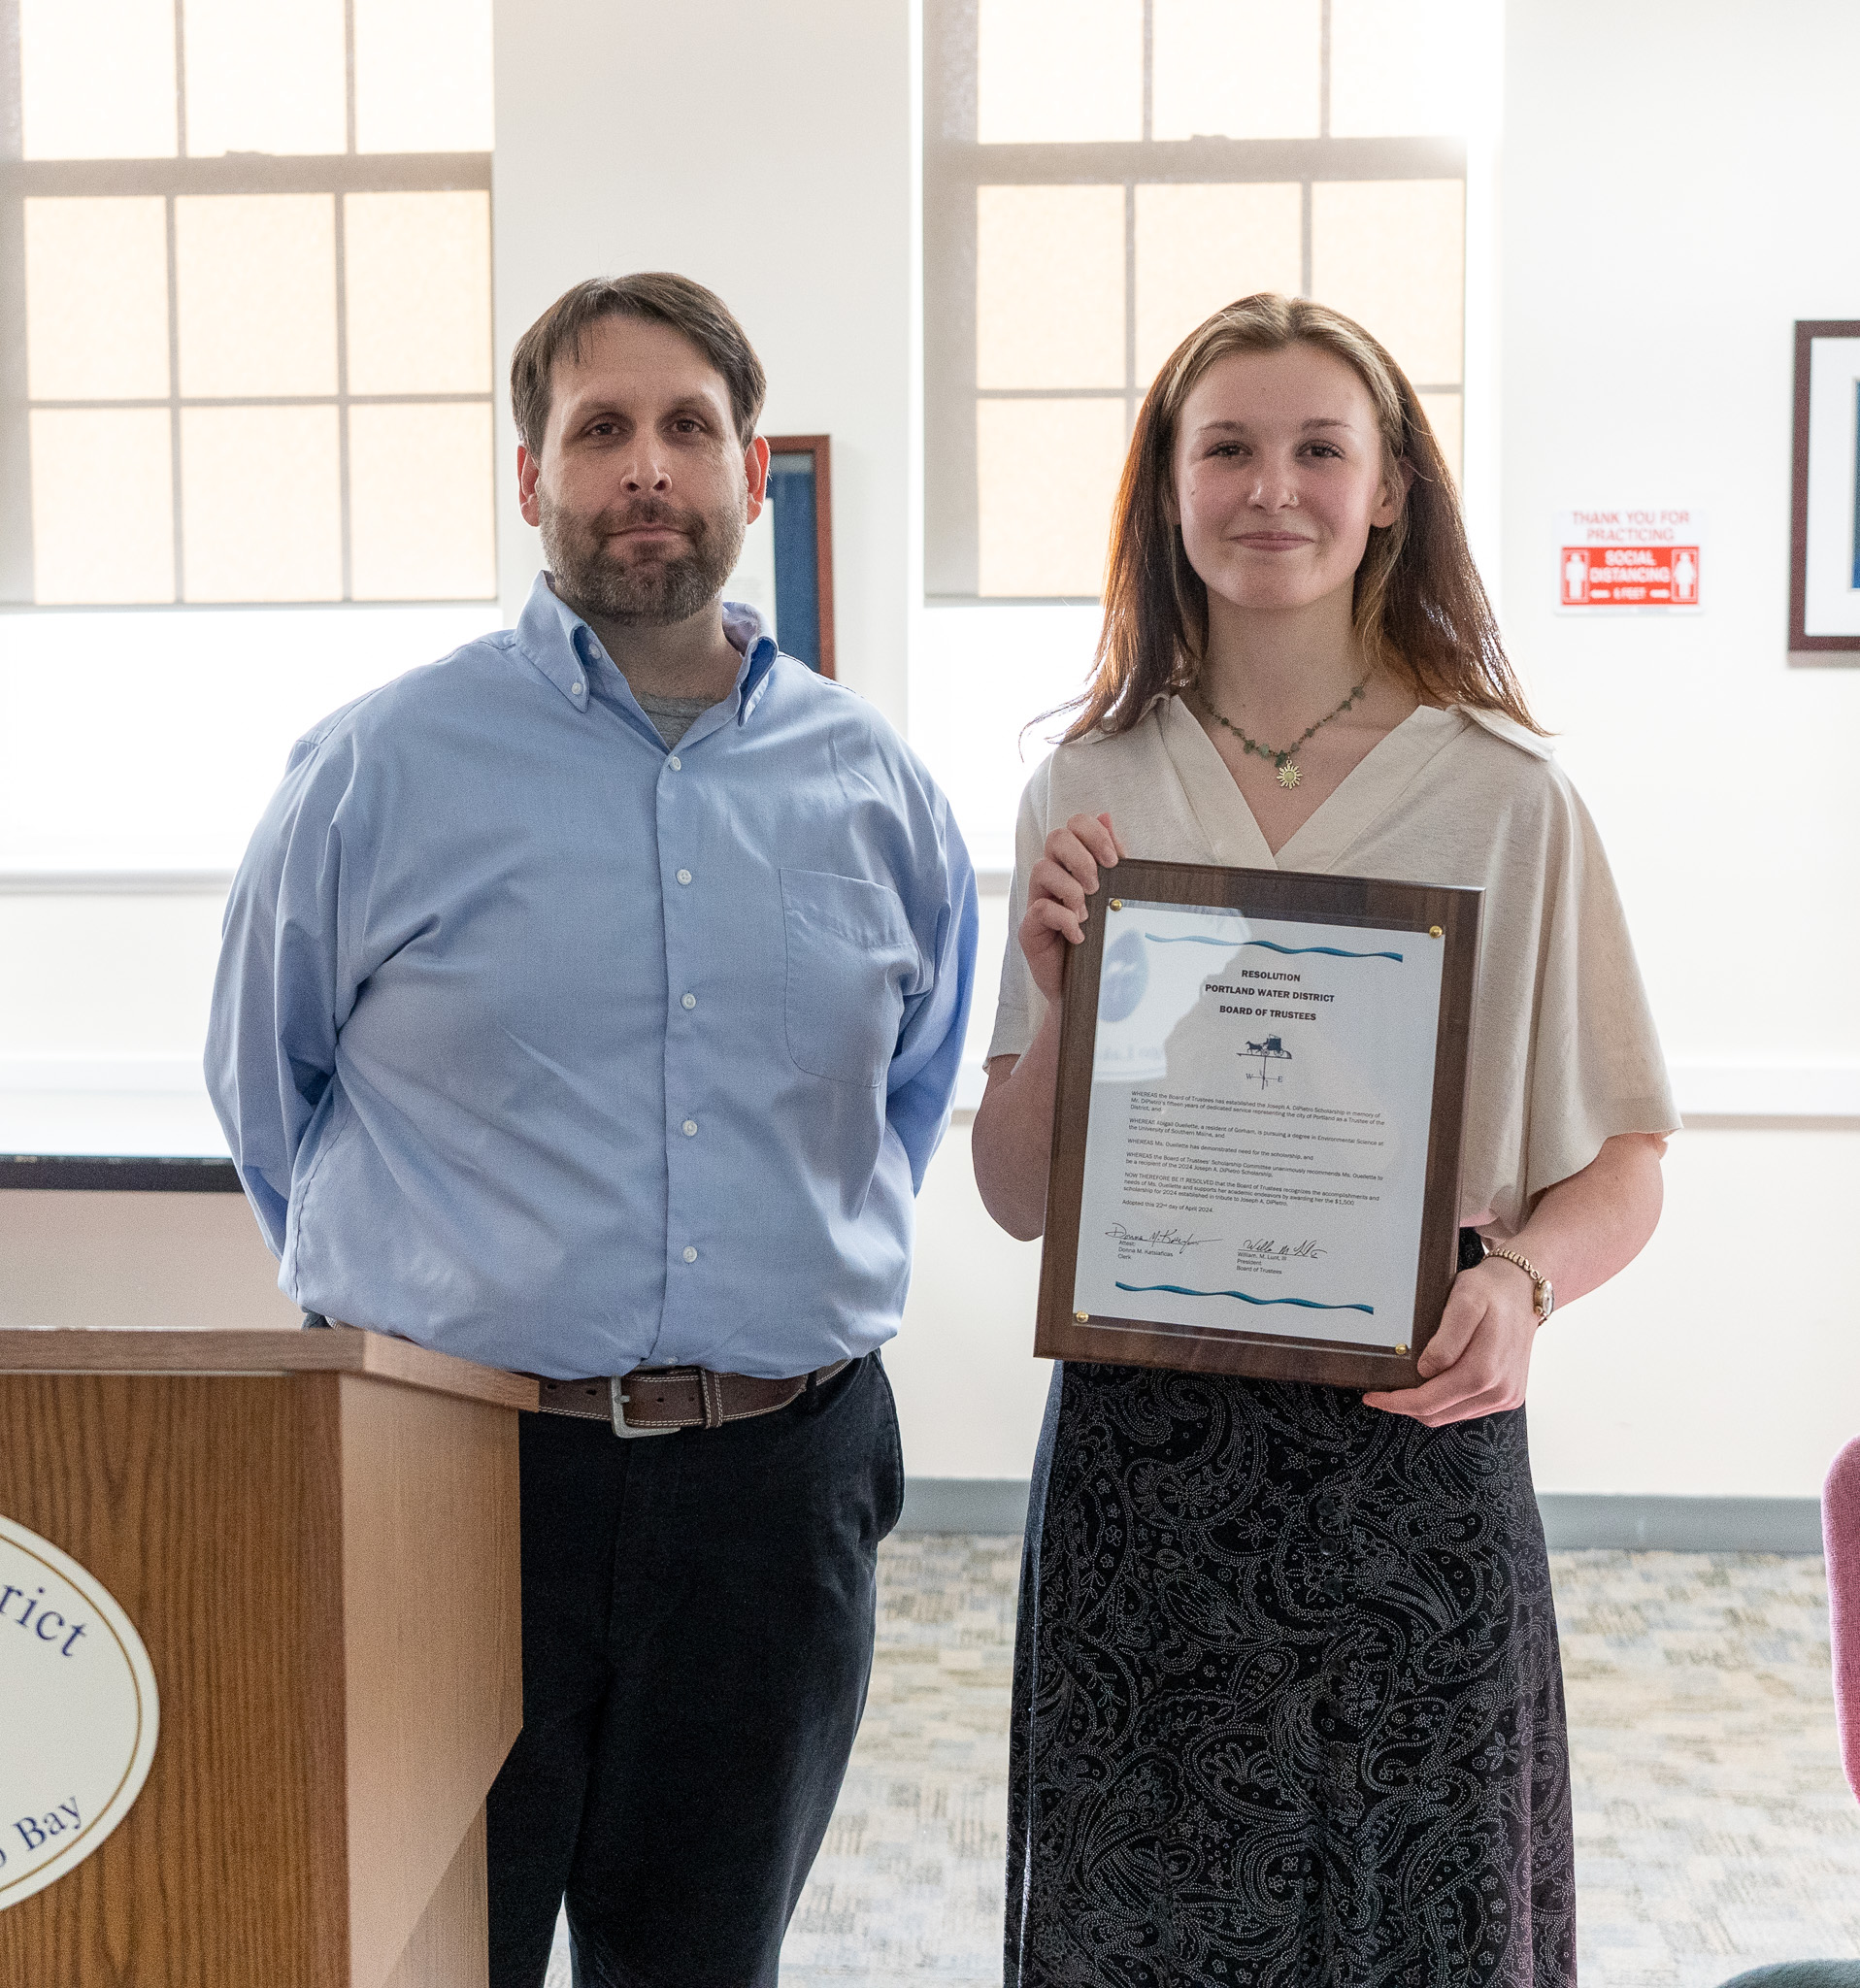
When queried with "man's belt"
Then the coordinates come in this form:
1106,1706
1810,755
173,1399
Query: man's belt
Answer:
660,1401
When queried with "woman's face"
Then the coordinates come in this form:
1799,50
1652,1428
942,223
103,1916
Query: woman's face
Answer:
1279,477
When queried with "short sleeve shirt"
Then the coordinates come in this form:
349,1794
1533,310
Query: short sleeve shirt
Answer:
1564,1053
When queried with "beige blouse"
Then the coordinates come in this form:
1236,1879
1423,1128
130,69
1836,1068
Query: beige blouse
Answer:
1564,1053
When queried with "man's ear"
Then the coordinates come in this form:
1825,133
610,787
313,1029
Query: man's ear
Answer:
1394,495
528,468
755,471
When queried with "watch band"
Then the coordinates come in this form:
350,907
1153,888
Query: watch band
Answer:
1545,1296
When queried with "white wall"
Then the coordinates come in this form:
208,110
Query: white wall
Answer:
1675,179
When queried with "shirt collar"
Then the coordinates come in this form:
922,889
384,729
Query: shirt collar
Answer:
564,647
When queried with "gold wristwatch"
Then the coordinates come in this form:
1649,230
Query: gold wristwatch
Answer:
1545,1298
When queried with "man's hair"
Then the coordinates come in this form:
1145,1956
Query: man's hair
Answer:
653,297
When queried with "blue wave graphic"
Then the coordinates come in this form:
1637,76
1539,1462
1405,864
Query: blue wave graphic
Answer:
1290,951
1303,1303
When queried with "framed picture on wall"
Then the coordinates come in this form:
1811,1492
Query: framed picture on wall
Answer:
1824,528
786,565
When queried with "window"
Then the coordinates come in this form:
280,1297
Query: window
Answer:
245,304
1100,175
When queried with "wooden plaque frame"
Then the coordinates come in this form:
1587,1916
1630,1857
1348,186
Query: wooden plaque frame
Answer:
1261,894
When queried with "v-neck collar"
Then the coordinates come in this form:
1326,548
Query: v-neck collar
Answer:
1364,794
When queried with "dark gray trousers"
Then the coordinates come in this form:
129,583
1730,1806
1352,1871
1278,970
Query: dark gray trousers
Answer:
698,1617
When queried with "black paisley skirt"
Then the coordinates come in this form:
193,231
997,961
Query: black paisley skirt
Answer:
1287,1709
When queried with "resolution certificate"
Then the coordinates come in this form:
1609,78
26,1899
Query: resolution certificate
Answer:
1258,1133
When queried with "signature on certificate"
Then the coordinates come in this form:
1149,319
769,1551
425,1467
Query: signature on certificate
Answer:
1176,1240
1270,1246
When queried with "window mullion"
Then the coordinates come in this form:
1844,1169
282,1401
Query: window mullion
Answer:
342,381
349,76
181,79
174,397
1323,82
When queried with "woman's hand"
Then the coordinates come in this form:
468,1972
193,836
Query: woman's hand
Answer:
1479,1361
1582,1231
1013,1134
1057,888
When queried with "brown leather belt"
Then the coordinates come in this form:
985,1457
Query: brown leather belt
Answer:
659,1401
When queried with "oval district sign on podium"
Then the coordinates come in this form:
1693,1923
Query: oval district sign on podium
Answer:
78,1727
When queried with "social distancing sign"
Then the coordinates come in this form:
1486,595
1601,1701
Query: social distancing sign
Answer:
1631,558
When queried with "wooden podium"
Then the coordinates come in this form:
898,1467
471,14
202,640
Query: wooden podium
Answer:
316,1534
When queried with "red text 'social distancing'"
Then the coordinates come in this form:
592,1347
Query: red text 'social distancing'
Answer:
1630,576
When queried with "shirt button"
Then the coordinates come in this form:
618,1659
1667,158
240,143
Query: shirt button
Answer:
690,1255
575,689
687,1000
684,876
674,762
690,1128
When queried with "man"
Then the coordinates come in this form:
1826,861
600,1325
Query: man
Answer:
591,1003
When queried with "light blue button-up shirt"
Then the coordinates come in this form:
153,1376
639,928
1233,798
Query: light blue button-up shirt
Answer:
544,1046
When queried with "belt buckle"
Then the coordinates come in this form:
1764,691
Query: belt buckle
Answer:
617,1402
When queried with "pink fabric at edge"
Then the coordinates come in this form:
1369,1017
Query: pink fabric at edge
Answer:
1840,1534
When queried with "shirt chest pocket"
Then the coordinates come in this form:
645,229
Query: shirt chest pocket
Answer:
851,957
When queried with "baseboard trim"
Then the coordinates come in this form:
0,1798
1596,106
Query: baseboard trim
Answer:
964,1505
1572,1520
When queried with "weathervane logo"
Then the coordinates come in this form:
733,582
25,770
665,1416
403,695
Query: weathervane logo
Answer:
81,1713
1271,1050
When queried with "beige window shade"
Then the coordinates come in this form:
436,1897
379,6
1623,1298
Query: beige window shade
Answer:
1445,415
97,79
1049,286
261,504
1199,247
1390,253
1059,71
102,519
422,75
418,278
417,478
268,76
256,294
1046,470
97,299
1236,68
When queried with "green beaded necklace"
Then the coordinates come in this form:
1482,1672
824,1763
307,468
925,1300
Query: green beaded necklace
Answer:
1280,756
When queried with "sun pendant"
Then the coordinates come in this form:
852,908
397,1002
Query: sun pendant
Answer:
1289,774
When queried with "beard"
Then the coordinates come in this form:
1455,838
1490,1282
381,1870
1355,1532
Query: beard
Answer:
645,589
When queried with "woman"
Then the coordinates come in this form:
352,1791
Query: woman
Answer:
1287,1705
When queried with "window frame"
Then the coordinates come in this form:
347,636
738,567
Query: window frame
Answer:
956,165
334,174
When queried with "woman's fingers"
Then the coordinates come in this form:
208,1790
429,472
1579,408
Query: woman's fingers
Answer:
1094,834
1046,915
1070,852
1455,1334
1058,889
1051,880
1449,1397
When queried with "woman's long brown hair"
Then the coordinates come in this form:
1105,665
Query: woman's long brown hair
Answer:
1420,610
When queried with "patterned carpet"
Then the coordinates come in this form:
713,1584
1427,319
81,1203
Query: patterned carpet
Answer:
1713,1829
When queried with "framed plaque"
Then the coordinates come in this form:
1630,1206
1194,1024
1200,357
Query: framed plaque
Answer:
1256,1137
